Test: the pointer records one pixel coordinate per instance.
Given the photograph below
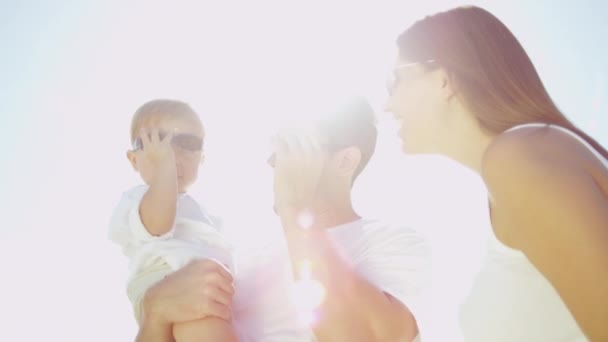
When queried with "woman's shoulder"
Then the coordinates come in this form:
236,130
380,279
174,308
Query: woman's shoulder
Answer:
532,175
535,148
526,162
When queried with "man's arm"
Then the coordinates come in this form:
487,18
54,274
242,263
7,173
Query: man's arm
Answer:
353,308
200,289
154,330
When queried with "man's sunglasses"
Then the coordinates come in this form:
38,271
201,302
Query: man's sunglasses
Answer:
187,142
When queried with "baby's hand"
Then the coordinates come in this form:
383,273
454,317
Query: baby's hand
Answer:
157,151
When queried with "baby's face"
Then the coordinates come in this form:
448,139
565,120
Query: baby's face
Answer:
187,145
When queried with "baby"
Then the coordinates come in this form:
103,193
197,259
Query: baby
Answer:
159,227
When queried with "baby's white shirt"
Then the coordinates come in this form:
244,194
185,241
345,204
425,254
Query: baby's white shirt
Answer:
192,236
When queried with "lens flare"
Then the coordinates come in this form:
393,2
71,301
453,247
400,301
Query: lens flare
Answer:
307,293
305,220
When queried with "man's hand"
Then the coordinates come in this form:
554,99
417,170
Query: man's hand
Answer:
299,165
200,289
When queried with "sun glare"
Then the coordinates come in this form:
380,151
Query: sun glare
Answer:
307,293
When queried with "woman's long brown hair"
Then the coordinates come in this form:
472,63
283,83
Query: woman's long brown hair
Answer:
492,72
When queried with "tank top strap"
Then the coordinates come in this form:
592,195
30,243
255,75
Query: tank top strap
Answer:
567,131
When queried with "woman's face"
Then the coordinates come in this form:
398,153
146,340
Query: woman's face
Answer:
417,101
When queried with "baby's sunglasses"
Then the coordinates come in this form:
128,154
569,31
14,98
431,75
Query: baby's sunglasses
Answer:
187,142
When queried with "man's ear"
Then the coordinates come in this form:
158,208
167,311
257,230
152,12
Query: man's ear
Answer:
132,159
347,160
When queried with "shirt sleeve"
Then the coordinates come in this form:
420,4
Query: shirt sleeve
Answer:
126,227
398,263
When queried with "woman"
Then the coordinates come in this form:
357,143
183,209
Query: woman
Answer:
465,88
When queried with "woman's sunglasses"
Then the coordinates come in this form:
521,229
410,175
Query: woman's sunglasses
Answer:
392,81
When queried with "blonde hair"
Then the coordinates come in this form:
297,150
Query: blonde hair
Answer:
154,111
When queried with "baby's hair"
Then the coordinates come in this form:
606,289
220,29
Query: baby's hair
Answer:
154,111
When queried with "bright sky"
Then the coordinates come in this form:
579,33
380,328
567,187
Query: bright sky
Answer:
73,72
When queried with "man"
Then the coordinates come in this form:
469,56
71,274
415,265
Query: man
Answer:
371,272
